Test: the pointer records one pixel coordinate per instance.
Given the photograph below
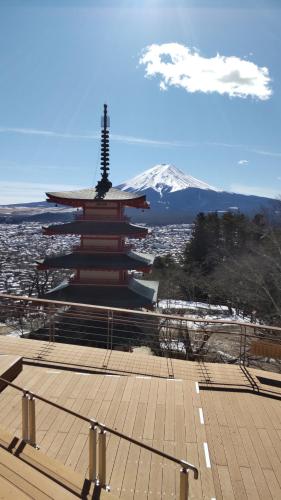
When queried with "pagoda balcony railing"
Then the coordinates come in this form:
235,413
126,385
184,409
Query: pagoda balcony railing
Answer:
79,281
99,218
88,249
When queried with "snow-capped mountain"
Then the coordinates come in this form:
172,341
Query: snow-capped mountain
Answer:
163,178
176,197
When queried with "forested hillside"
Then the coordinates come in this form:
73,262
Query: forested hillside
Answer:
232,260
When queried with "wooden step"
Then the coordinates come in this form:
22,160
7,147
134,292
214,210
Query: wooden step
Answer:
28,480
10,368
26,472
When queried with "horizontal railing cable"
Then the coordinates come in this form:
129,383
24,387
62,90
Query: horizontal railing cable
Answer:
61,304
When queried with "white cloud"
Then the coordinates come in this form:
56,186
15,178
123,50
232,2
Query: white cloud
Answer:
181,66
242,162
128,139
46,133
25,192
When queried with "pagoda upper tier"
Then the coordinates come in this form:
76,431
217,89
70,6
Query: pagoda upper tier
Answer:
82,198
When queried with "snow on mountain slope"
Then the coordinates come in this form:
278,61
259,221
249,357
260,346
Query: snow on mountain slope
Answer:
163,178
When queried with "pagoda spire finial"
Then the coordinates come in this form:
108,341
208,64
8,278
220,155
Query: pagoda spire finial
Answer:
104,184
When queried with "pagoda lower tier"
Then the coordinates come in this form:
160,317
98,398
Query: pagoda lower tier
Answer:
135,294
103,263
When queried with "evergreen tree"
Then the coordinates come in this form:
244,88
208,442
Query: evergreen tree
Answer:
196,250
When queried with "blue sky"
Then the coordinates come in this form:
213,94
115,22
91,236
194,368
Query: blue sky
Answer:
61,60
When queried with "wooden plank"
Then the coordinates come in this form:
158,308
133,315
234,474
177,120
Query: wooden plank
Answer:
8,491
155,475
236,439
247,405
148,432
170,412
225,481
249,483
271,453
120,447
189,412
213,428
233,467
169,479
272,482
128,488
256,469
191,454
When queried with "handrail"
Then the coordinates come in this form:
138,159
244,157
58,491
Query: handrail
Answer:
61,303
91,421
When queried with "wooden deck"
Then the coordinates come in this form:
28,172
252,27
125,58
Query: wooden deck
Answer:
102,360
241,432
227,423
159,412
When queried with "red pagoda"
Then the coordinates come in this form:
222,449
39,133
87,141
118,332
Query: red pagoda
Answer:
102,262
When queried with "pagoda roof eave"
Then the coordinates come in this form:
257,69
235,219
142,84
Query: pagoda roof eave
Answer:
79,198
93,228
105,262
137,294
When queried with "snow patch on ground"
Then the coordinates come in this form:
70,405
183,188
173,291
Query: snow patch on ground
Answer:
201,310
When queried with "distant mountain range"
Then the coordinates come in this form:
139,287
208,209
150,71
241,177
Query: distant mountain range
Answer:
174,198
177,197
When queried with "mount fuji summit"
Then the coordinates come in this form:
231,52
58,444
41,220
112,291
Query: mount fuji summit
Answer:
176,197
163,178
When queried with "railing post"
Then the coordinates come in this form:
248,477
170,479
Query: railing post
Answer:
111,330
244,346
51,313
92,452
102,458
184,484
24,402
108,329
31,420
240,346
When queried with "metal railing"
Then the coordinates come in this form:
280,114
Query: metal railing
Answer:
170,336
94,218
97,440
